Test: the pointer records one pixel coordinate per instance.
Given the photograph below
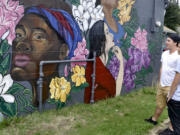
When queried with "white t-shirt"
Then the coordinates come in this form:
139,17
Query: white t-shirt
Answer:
176,95
169,63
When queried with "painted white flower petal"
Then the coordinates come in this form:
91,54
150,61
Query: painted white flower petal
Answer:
90,9
90,4
7,80
84,4
81,9
93,16
92,23
1,85
73,9
1,78
94,1
79,23
1,89
86,15
95,11
100,10
99,7
81,1
76,13
5,35
85,25
8,98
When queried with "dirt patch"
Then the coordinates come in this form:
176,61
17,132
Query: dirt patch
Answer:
60,124
157,129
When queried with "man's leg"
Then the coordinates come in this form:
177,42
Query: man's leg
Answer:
174,115
160,104
157,113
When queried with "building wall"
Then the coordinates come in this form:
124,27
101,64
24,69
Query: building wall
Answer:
128,48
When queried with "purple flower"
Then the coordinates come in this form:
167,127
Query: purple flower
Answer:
114,66
136,61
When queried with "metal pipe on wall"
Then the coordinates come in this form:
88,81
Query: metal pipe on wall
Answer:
41,75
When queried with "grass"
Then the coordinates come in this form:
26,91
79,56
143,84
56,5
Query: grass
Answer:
123,115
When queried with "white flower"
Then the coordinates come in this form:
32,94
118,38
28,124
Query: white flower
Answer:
86,14
5,84
4,36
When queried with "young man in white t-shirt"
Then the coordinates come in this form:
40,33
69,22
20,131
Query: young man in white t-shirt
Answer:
173,100
166,76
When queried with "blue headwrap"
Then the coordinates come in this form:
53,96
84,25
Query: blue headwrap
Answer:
71,34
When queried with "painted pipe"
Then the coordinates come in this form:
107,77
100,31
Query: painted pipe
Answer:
41,75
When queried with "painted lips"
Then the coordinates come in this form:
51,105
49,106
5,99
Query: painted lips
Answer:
21,60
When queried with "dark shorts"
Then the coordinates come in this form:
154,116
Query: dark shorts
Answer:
174,115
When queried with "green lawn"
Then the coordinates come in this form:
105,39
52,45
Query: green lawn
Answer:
123,115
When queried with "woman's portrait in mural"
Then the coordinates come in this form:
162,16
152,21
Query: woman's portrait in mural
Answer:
104,83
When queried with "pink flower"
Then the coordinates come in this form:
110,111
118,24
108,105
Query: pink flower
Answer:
125,35
80,53
81,48
140,40
66,71
10,14
79,57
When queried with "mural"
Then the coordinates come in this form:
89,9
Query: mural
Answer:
32,33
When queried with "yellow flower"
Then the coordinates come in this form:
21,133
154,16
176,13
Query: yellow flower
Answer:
78,76
125,7
59,88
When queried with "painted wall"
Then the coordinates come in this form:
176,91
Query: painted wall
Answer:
126,36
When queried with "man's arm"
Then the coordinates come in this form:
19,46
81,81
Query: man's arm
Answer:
174,85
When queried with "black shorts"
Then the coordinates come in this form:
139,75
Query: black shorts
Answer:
174,115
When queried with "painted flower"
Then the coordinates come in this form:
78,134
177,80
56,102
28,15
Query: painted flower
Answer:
140,40
5,83
78,76
59,88
10,13
125,7
137,60
114,66
80,53
86,14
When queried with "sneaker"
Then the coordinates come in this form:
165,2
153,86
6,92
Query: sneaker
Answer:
167,131
151,121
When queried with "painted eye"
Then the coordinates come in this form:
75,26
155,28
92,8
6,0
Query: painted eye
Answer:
18,35
38,37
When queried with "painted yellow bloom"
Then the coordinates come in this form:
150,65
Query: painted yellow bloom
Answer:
125,7
78,76
59,88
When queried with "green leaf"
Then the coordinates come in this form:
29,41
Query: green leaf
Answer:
51,101
75,2
77,89
9,109
15,88
5,63
115,13
1,69
4,47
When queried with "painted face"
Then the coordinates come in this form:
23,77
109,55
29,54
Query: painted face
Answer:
35,41
170,44
109,38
